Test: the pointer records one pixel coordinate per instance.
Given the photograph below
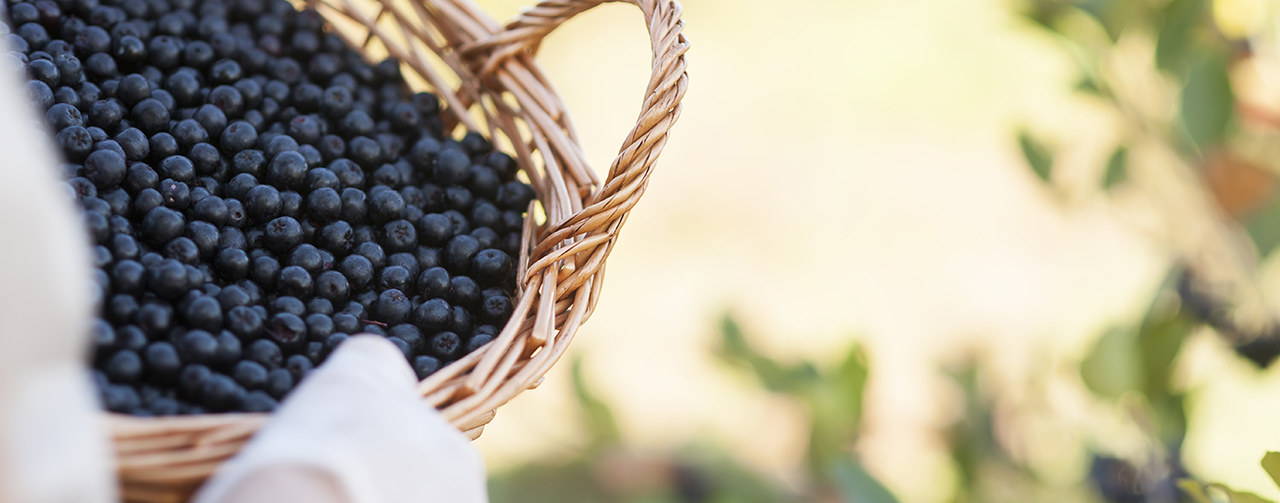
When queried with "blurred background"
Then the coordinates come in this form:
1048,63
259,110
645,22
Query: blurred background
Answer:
922,251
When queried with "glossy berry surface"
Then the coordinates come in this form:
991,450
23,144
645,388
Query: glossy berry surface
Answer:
255,193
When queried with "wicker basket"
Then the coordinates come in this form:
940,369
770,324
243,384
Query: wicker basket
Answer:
561,265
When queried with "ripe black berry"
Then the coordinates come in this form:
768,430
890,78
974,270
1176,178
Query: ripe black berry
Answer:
128,276
392,307
211,209
204,235
491,266
460,320
451,167
189,132
125,366
121,308
197,346
386,205
221,393
162,362
259,401
265,352
279,382
104,168
319,326
150,115
133,88
135,144
459,251
399,235
287,169
238,135
204,313
477,341
396,277
244,322
206,158
336,237
287,330
298,366
432,316
287,304
296,281
75,142
192,378
320,305
229,351
228,99
162,144
175,194
444,345
496,309
232,296
120,398
123,246
256,192
463,291
515,196
402,345
332,286
250,374
168,280
425,365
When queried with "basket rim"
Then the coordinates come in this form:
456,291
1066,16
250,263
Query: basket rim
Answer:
561,264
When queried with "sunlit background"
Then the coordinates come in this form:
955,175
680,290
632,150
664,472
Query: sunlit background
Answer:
995,199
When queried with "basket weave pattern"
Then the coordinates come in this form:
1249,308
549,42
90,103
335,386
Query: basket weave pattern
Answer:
486,76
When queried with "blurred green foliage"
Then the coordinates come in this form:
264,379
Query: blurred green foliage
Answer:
1130,368
1039,159
1189,49
1211,132
1138,362
1218,493
831,397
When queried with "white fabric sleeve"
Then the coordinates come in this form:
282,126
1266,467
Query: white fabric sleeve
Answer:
53,444
355,425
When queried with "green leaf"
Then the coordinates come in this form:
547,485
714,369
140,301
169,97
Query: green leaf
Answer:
1264,227
1208,104
1043,14
849,383
1113,366
1177,34
1217,493
1086,60
1271,463
835,408
1112,15
856,485
1194,490
1037,156
1235,496
1117,168
1160,338
600,423
1087,84
734,348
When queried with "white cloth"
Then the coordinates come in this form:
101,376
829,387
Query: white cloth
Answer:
52,442
354,426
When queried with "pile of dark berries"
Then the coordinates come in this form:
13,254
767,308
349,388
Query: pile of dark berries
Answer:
256,192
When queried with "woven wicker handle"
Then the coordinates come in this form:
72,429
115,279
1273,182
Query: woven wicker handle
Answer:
562,279
593,227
